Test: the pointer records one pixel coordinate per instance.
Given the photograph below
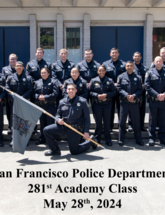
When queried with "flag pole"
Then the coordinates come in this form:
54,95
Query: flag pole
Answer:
67,125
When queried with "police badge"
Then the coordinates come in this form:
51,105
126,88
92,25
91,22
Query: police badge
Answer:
78,104
135,79
24,79
108,83
80,85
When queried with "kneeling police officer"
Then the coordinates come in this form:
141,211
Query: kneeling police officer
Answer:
74,111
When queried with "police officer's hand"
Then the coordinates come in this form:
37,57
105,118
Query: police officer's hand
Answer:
161,97
0,99
143,86
115,85
130,98
86,136
60,122
88,84
41,98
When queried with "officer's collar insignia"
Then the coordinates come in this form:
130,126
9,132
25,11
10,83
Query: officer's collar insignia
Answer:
135,79
80,85
24,79
49,84
94,66
68,66
108,82
78,104
6,71
45,66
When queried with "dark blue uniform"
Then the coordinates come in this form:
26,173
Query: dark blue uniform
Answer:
141,71
113,70
2,97
74,112
33,68
48,88
22,85
88,70
6,71
61,71
129,85
102,109
81,84
155,84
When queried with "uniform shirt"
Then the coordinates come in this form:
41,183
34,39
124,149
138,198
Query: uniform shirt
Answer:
88,70
153,65
98,86
74,112
129,85
141,70
2,83
81,87
61,71
33,68
114,69
49,88
8,70
155,82
22,86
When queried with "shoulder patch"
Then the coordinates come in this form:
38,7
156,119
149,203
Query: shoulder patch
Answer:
117,79
146,75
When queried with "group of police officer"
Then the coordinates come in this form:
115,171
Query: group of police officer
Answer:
64,89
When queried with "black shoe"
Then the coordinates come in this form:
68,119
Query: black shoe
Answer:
109,143
130,129
39,141
94,146
54,151
140,143
162,142
1,144
11,144
9,131
151,142
121,143
143,129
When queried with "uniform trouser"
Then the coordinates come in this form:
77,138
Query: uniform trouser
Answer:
52,131
46,120
157,114
115,100
100,112
133,110
1,122
142,111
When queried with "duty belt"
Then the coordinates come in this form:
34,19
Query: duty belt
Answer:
81,127
44,102
154,99
139,100
96,100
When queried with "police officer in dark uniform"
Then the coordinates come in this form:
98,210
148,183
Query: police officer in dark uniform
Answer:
102,90
162,55
129,86
155,86
2,103
33,67
6,71
74,111
140,70
88,67
80,83
114,67
18,83
45,92
61,70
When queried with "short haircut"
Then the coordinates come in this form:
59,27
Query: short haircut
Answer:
14,55
137,53
45,69
71,84
63,50
101,66
129,61
40,49
113,49
162,49
19,62
75,68
88,50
